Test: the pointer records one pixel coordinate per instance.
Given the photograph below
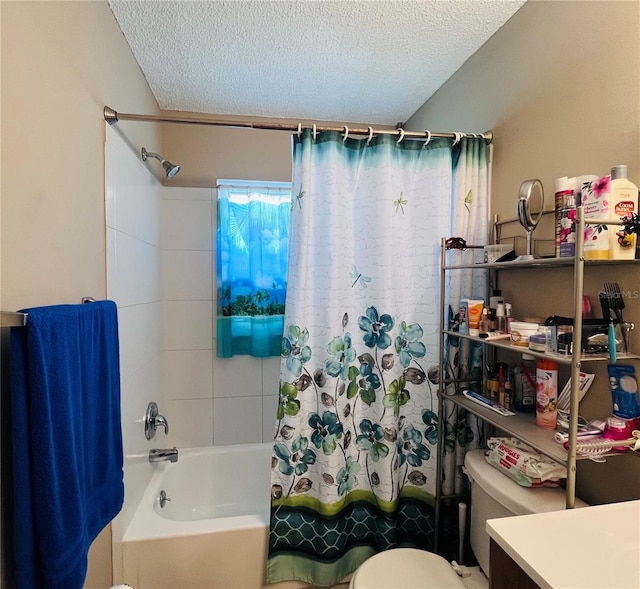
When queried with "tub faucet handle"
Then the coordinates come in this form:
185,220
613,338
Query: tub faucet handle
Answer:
152,420
161,420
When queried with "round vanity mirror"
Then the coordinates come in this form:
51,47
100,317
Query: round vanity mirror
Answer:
530,207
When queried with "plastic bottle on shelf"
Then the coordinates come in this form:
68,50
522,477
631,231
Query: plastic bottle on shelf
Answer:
525,384
508,317
595,196
508,393
624,202
546,393
565,217
484,322
501,319
496,298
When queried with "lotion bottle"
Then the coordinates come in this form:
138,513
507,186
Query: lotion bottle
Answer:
624,202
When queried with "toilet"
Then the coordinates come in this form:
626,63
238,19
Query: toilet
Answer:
493,495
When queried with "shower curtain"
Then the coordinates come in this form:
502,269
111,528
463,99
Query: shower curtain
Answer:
354,460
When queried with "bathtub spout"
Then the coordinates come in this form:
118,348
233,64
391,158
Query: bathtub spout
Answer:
170,454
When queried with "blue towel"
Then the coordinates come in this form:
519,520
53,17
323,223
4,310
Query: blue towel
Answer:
67,439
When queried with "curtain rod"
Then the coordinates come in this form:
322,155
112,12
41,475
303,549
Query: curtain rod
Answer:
112,117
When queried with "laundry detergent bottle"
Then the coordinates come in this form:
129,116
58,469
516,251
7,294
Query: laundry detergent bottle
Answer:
624,202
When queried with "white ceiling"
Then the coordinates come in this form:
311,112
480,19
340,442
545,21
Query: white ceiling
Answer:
374,61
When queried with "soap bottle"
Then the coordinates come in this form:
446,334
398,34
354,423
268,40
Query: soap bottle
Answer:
624,202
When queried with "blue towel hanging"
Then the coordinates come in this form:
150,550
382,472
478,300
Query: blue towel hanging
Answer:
67,439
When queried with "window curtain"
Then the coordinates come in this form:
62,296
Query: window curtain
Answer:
354,459
252,252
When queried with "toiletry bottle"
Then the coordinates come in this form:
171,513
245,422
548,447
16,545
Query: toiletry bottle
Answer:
501,387
508,317
501,320
496,298
463,316
624,202
525,381
546,393
474,314
508,392
485,326
565,217
596,196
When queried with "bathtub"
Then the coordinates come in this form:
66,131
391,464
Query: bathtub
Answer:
212,533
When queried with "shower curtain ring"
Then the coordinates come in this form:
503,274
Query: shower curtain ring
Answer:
370,135
346,134
299,130
428,138
401,133
457,139
314,132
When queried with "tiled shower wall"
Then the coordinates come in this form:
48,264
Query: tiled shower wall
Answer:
160,273
208,400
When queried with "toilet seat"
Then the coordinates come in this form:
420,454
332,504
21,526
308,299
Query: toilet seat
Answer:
405,568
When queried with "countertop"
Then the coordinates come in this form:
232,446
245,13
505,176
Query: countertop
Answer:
591,547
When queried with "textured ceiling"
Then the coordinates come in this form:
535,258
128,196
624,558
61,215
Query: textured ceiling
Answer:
371,61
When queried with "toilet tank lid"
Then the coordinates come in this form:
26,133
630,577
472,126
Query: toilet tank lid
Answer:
519,500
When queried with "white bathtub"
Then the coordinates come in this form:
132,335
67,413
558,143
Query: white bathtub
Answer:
213,532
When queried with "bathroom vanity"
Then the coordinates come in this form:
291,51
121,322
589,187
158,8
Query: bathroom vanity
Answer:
591,548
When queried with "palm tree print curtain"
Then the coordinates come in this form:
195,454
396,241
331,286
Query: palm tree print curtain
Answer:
354,459
252,252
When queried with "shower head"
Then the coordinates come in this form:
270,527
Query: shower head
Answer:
170,169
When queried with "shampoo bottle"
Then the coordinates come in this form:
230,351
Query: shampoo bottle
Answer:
624,202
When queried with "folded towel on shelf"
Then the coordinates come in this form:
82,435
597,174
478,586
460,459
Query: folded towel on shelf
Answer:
67,439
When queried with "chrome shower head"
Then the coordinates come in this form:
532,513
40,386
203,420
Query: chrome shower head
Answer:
170,169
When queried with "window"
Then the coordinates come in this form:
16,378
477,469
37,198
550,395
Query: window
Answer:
252,252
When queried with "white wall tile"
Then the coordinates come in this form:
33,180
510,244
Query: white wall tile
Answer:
134,270
269,417
187,275
188,325
237,420
190,423
188,374
140,333
133,193
271,375
186,225
239,376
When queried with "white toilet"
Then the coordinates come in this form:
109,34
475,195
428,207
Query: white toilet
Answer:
493,495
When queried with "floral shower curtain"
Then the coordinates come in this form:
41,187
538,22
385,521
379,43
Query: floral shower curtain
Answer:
354,461
463,359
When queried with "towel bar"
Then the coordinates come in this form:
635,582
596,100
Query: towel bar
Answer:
13,319
10,319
